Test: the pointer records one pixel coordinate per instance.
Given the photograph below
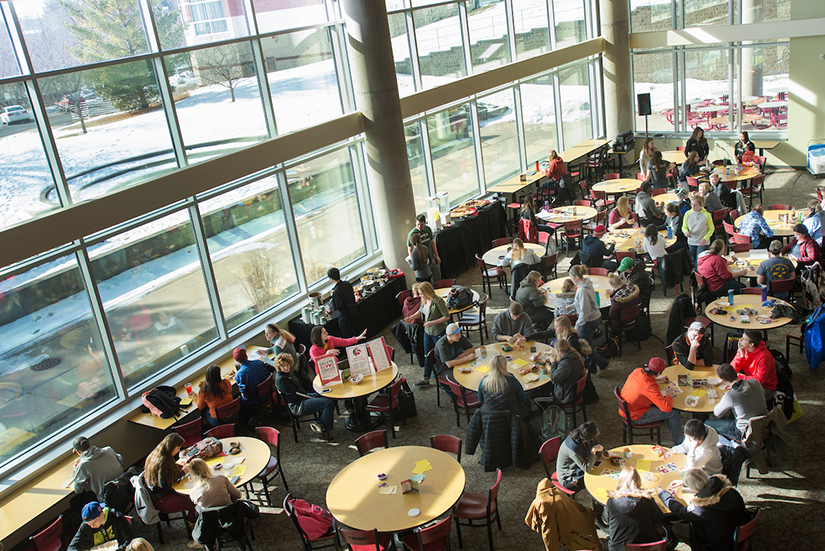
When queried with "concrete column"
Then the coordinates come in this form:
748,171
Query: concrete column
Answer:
619,100
376,96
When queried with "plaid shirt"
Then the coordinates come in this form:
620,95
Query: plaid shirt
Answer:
753,224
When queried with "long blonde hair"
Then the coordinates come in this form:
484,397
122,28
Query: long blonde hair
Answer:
496,381
425,288
518,251
200,471
562,346
630,484
623,207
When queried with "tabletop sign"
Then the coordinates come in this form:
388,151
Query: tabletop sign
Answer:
359,360
378,352
328,370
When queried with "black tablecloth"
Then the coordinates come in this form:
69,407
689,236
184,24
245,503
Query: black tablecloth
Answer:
373,312
474,234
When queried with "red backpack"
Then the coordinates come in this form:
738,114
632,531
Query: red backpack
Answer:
315,521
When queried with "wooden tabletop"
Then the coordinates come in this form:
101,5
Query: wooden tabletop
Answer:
742,301
674,156
765,144
605,476
520,360
494,256
780,229
353,496
669,197
744,262
625,239
368,385
516,184
567,214
599,282
704,405
746,173
619,186
585,148
444,293
253,459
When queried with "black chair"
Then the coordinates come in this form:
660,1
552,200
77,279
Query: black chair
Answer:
628,425
217,524
330,539
294,419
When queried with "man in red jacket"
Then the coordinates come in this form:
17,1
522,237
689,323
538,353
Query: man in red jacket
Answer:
754,361
645,400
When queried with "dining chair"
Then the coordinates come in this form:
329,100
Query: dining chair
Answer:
548,452
479,506
444,283
329,539
655,546
434,537
49,538
371,441
191,432
462,399
626,322
742,534
599,272
402,296
752,291
629,426
366,540
447,443
295,419
489,274
272,437
500,241
576,405
388,403
222,431
229,413
471,320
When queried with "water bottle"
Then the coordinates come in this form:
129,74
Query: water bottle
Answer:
547,206
537,166
669,231
598,300
730,297
764,293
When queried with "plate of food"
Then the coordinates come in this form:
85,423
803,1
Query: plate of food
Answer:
506,348
464,369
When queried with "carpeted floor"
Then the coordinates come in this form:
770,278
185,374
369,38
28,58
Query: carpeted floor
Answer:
791,498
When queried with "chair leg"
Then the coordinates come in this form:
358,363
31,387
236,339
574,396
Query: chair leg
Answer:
458,529
490,533
160,533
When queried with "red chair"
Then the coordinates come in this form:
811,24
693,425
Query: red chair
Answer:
501,241
741,239
693,183
640,176
402,296
447,443
548,453
479,506
742,534
434,537
372,441
466,399
582,203
718,217
229,412
222,431
741,247
626,322
487,275
264,389
49,539
471,320
544,239
621,255
273,438
658,191
191,432
444,283
599,272
572,231
628,426
729,229
681,148
756,188
366,540
548,266
778,207
388,403
781,286
655,546
752,291
330,539
612,176
600,201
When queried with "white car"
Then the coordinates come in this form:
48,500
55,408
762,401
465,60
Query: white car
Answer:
15,113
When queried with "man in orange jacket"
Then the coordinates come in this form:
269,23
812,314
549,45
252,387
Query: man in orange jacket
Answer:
645,400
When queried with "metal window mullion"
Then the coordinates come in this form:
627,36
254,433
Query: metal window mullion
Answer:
682,90
428,160
551,24
171,114
15,33
481,177
251,19
149,26
263,86
464,25
740,114
589,20
292,231
511,28
678,13
597,114
520,132
558,110
413,45
96,302
337,39
208,271
674,71
733,90
362,196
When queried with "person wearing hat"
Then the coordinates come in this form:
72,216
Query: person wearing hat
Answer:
775,268
645,401
451,350
100,525
250,374
809,252
601,256
693,348
634,272
92,469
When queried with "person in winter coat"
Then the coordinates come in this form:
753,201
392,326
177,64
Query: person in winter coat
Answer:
560,520
623,296
645,401
529,296
635,273
565,299
100,525
697,225
753,360
601,255
700,445
713,514
566,368
577,455
299,402
713,267
502,390
746,398
632,514
92,469
585,303
693,348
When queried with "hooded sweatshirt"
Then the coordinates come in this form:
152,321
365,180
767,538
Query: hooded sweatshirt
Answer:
758,365
585,304
95,467
747,398
116,526
632,519
575,458
705,455
626,296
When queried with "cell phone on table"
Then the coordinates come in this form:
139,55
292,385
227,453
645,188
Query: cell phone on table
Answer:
325,390
597,463
533,349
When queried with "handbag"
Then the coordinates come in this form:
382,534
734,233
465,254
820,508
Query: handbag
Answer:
315,521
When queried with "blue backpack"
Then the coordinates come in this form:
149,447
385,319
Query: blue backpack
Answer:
814,332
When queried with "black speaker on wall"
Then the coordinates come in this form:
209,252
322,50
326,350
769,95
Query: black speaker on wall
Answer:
643,103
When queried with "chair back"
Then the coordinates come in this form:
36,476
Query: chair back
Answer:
729,229
269,435
572,225
778,207
742,534
658,191
718,216
738,238
670,355
228,410
780,286
290,512
444,283
457,391
481,264
190,432
628,316
621,255
49,539
548,264
580,384
741,247
360,539
599,272
681,147
752,291
265,388
756,182
401,297
693,183
447,443
655,546
492,496
501,241
548,452
584,189
622,404
581,203
431,537
544,238
372,440
611,176
222,431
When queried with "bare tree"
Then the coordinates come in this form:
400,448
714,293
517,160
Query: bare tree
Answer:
221,65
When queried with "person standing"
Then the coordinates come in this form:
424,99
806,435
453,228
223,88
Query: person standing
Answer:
427,240
697,225
745,397
657,170
435,314
421,260
343,300
92,469
698,143
585,303
645,157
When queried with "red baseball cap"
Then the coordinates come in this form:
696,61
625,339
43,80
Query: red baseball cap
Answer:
240,355
656,365
599,230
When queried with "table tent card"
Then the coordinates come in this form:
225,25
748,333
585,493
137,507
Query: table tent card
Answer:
359,360
328,370
378,352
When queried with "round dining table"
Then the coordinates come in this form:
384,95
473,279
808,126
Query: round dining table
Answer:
559,215
519,358
357,498
654,470
361,421
600,284
445,292
706,403
745,262
776,222
746,173
618,186
745,301
669,197
494,256
252,460
625,239
675,156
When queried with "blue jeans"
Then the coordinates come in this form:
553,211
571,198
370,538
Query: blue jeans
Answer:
319,403
725,427
429,344
695,251
731,284
214,422
671,419
587,330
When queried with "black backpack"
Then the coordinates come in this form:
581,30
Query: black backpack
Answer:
784,377
119,494
460,297
162,401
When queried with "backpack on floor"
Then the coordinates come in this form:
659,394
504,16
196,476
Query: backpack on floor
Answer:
553,423
611,347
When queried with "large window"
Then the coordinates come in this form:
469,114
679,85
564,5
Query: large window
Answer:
452,147
499,136
653,74
489,42
208,16
539,111
418,168
576,111
532,32
440,50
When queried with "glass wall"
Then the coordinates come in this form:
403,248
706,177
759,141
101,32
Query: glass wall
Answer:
654,74
539,113
499,136
452,145
576,111
489,39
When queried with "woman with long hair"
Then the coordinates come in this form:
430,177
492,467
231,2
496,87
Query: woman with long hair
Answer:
555,169
161,472
698,143
209,490
508,392
577,455
713,267
528,212
519,254
323,343
566,368
421,259
654,244
215,391
564,330
743,145
621,216
689,168
657,170
645,156
530,297
436,315
633,515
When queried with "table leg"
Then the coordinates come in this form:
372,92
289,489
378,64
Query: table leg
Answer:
363,420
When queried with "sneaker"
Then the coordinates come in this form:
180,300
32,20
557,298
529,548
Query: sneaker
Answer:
317,428
326,435
194,545
423,382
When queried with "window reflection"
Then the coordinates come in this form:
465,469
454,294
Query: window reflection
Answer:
277,16
418,169
570,27
489,40
453,152
574,87
440,52
532,34
8,62
401,53
650,15
539,112
700,13
499,137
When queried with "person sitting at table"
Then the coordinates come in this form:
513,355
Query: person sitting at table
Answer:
577,455
815,221
137,544
566,368
161,473
210,490
519,254
411,335
713,266
101,524
645,401
512,325
646,208
555,170
657,171
435,314
749,156
809,251
700,445
528,212
634,272
726,196
621,217
712,201
742,146
654,244
281,341
500,390
301,403
775,268
745,397
343,302
753,360
683,200
427,240
323,343
632,514
622,296
697,225
712,515
689,168
451,350
164,324
532,300
250,374
697,143
565,299
585,303
601,255
214,392
421,260
693,348
645,157
754,226
93,468
563,330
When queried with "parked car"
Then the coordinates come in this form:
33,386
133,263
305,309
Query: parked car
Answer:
15,113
